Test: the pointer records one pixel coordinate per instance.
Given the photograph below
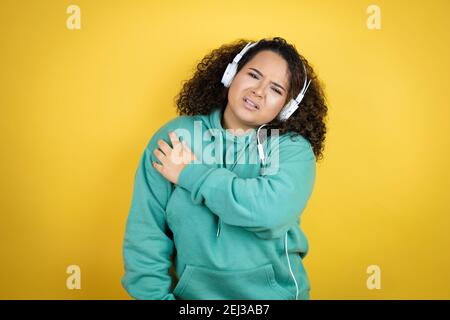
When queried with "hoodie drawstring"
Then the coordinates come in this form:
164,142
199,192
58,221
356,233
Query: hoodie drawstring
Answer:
219,222
289,264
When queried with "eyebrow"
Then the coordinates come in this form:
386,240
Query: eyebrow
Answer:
276,84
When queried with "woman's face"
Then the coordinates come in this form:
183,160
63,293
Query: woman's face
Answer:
264,79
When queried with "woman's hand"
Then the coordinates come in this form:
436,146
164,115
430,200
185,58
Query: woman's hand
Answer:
173,160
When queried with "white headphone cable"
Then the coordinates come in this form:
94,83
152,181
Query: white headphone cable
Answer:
289,264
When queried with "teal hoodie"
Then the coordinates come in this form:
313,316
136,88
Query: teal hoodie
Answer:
230,230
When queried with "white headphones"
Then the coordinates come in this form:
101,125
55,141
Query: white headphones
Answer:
289,108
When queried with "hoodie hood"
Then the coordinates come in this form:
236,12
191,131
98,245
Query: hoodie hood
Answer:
216,122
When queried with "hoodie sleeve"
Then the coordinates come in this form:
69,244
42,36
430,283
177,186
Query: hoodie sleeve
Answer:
148,246
261,204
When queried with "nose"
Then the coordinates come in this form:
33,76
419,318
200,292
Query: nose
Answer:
258,90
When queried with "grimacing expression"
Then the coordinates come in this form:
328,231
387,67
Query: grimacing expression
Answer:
264,80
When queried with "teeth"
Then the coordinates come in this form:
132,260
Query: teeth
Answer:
252,104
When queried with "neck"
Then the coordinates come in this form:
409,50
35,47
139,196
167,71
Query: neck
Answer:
231,123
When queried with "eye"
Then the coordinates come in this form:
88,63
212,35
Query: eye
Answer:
277,91
253,75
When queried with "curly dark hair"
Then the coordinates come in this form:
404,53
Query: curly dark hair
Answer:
204,91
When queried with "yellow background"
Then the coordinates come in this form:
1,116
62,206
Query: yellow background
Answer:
79,106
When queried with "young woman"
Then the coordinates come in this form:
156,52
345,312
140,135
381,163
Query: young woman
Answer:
206,222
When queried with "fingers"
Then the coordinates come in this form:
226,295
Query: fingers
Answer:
157,166
174,139
165,148
160,156
188,152
177,154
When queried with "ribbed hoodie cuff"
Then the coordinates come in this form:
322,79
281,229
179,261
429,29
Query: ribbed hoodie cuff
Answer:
191,174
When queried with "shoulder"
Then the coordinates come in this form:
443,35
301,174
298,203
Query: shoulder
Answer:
290,153
296,139
292,144
182,125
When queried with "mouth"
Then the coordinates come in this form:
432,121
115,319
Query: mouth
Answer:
251,104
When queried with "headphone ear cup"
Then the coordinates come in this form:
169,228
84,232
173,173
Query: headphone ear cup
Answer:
288,110
229,74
